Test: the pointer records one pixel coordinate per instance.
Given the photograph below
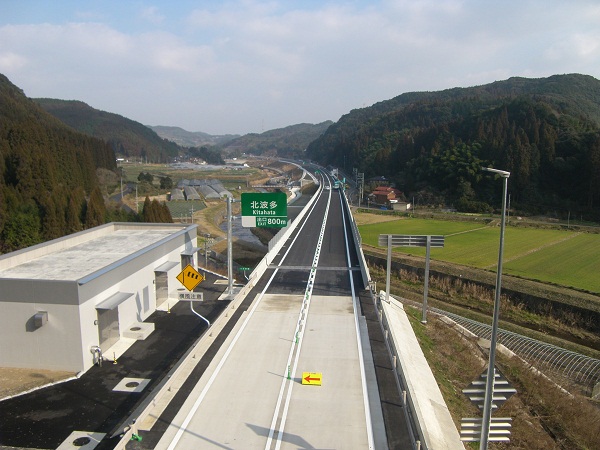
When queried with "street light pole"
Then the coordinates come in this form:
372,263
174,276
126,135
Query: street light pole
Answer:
491,373
229,247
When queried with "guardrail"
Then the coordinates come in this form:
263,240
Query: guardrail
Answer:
430,423
357,243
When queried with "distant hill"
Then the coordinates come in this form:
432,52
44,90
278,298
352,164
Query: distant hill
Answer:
47,173
185,138
290,141
545,131
127,137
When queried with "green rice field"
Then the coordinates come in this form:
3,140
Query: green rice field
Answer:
561,257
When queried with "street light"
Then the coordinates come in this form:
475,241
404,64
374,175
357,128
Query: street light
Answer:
491,373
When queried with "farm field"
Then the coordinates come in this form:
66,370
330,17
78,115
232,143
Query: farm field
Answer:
561,257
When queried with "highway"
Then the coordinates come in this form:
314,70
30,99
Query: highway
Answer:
304,318
238,384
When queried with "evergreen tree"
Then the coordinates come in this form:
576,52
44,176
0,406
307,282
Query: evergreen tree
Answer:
166,183
22,229
165,213
146,210
53,222
72,217
96,210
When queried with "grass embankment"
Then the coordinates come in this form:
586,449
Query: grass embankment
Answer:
469,291
544,417
475,302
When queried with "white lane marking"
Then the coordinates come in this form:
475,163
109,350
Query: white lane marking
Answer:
296,347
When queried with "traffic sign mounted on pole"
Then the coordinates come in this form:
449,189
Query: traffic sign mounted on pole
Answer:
470,429
190,277
502,391
407,240
190,296
265,210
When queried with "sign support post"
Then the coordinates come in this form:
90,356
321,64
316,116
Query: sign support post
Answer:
426,288
389,268
190,278
401,240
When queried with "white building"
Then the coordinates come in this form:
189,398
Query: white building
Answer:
62,300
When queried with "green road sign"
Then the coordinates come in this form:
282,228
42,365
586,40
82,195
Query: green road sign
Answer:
267,210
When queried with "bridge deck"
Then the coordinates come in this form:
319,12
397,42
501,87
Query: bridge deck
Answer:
246,389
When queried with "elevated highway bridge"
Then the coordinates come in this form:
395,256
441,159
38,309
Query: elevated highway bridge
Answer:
300,356
308,305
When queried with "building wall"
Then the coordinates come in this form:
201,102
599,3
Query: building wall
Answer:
55,345
64,342
136,277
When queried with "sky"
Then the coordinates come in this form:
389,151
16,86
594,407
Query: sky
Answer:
248,66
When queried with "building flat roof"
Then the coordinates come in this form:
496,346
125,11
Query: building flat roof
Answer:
79,257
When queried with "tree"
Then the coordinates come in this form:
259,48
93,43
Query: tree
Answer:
22,229
148,177
72,216
165,214
147,212
166,183
156,212
455,165
96,210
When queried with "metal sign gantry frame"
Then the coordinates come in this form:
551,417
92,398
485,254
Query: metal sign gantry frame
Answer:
405,240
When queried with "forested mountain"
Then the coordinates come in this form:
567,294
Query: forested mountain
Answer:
546,132
127,137
48,181
191,138
286,142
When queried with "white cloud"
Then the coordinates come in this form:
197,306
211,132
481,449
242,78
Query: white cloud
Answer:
229,66
10,61
152,15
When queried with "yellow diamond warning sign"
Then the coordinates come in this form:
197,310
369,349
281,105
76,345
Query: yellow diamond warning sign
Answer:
190,277
312,378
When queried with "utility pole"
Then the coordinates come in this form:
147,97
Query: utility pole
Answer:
360,181
206,237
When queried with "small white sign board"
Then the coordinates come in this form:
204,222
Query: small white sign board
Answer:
191,296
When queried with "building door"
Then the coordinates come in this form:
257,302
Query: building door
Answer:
161,281
108,327
185,260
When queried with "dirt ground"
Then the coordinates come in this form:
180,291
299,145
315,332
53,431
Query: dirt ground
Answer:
544,417
366,219
14,381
